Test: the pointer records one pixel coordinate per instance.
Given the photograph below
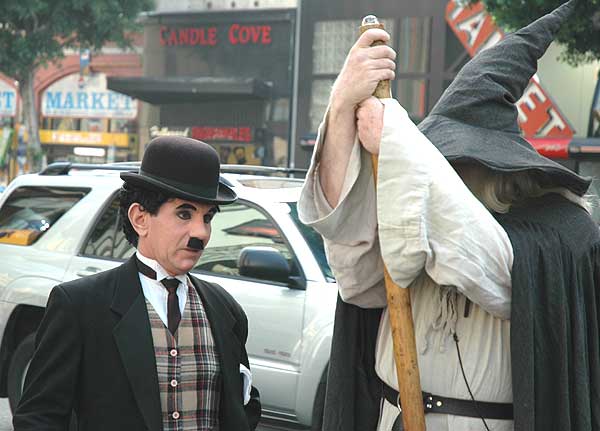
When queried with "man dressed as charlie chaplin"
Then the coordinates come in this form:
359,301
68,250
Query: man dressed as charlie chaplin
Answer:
495,241
147,346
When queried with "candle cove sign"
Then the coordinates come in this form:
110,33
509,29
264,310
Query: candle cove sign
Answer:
234,34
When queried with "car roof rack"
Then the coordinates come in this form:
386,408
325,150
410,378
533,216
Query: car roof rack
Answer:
63,168
261,170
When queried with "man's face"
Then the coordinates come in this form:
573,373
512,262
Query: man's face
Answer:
166,237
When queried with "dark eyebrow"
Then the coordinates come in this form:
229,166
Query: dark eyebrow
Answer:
187,207
212,210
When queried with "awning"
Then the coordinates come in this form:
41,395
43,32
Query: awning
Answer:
190,89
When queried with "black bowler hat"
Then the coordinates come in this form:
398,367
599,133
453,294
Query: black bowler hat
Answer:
475,120
184,168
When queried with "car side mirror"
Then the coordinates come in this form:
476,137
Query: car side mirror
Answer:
265,263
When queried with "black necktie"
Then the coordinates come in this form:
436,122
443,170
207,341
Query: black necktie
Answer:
171,284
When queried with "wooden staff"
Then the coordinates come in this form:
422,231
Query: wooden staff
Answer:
399,310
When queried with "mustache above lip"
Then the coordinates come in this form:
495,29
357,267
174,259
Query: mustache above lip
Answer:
195,244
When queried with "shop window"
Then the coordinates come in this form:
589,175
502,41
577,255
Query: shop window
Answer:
412,95
122,125
65,123
414,45
92,125
319,99
333,39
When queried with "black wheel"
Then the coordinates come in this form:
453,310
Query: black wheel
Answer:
319,405
18,369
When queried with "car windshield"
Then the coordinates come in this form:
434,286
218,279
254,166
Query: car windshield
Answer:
314,241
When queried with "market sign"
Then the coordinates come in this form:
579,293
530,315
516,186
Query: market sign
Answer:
8,100
75,137
538,114
86,97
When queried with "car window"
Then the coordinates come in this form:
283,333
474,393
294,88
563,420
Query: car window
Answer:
314,241
107,239
29,212
237,226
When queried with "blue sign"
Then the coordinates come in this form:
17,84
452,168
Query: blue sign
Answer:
8,100
68,98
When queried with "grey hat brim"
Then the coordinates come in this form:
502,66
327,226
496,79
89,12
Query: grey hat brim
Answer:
503,152
225,195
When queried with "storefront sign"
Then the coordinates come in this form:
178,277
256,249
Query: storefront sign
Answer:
236,134
551,147
237,34
156,131
86,97
8,100
538,115
75,137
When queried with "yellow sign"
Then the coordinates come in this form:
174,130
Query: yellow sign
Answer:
76,137
18,236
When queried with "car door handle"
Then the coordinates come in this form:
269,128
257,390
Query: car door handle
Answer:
90,270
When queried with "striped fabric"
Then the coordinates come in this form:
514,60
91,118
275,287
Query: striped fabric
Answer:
187,364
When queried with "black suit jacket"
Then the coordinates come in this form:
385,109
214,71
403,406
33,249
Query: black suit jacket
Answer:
94,354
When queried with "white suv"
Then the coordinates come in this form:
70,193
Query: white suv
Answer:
64,223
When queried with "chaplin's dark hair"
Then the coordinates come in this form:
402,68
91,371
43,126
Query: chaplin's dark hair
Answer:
150,200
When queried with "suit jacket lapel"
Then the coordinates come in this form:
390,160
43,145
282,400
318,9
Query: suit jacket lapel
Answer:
133,337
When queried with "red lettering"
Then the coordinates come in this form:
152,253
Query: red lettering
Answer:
184,36
244,35
245,135
162,31
266,35
173,37
194,36
212,36
255,31
232,31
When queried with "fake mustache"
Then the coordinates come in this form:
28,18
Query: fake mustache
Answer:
196,244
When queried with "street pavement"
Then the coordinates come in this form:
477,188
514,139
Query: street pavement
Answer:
6,419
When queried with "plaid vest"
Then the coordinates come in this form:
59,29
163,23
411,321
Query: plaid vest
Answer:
189,374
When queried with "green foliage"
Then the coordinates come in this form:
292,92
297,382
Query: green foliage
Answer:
580,33
35,32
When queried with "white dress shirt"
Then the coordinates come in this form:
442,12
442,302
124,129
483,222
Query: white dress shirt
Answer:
436,237
156,293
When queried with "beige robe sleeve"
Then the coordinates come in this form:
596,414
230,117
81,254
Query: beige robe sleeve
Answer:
428,219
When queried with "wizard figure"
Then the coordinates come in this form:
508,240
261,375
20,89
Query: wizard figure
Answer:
495,242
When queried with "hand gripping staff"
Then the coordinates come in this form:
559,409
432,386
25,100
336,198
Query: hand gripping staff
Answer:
398,299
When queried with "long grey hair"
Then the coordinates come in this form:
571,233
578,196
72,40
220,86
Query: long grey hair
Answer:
498,191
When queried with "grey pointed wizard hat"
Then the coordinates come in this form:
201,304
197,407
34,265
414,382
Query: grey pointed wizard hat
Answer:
475,120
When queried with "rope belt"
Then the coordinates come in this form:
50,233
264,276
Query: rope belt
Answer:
454,406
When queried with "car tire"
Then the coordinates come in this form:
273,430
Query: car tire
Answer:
319,406
19,365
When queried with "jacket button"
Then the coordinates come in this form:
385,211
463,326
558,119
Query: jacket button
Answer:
173,383
173,352
175,415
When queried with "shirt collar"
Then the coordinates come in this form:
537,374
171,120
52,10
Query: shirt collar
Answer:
161,273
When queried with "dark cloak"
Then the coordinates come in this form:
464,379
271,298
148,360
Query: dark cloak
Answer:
555,338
